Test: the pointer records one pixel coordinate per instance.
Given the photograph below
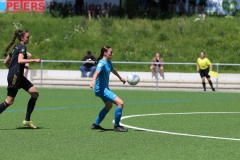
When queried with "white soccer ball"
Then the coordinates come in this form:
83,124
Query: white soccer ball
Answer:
133,79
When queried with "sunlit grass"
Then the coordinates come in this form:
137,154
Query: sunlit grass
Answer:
178,39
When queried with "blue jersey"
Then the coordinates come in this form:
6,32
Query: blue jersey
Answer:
102,80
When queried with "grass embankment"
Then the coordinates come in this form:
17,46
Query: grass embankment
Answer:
179,39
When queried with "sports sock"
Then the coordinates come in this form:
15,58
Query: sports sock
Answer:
210,82
101,116
118,115
3,106
204,85
30,108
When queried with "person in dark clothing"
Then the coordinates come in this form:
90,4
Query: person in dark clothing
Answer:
78,7
16,79
88,65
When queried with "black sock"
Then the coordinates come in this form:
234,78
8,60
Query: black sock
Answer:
3,106
210,82
204,85
30,108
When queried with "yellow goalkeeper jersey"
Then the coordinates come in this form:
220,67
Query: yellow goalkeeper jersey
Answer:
203,63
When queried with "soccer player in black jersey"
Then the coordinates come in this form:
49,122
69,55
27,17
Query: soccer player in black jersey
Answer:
26,67
16,79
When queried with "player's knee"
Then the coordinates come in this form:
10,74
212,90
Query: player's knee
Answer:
120,104
35,95
152,69
9,102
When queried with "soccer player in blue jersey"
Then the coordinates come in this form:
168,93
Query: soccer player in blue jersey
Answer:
16,79
100,84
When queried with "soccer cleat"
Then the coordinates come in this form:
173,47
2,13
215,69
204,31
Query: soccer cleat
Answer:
204,89
29,124
94,127
213,89
120,129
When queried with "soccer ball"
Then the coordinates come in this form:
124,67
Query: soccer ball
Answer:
133,79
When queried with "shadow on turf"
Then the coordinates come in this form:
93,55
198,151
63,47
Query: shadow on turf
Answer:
113,130
25,128
31,128
104,130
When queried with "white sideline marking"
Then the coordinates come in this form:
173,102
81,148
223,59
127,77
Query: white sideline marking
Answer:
175,133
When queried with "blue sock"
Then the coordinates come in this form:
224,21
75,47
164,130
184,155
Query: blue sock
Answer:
101,116
118,115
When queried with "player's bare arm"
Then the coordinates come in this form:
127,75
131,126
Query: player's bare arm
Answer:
197,67
21,60
94,78
116,73
6,61
210,66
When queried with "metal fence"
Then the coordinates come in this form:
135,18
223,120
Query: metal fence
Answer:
149,63
218,65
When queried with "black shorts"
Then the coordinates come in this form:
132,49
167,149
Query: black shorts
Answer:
15,83
204,73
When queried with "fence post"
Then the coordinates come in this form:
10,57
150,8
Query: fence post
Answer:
41,74
156,75
217,64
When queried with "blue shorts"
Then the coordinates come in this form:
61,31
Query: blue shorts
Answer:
106,95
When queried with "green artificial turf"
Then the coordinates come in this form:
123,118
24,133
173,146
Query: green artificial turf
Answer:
64,118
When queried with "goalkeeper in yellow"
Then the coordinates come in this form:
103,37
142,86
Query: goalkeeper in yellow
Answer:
203,67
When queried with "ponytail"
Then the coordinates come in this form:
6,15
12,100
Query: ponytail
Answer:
98,59
19,34
104,49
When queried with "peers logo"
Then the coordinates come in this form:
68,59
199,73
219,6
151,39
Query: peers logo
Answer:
25,5
229,6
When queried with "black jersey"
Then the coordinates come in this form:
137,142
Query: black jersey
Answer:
16,68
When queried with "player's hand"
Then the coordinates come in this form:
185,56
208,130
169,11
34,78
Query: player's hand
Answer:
38,60
91,85
123,80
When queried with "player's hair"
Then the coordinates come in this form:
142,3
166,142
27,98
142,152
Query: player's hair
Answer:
104,49
17,33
